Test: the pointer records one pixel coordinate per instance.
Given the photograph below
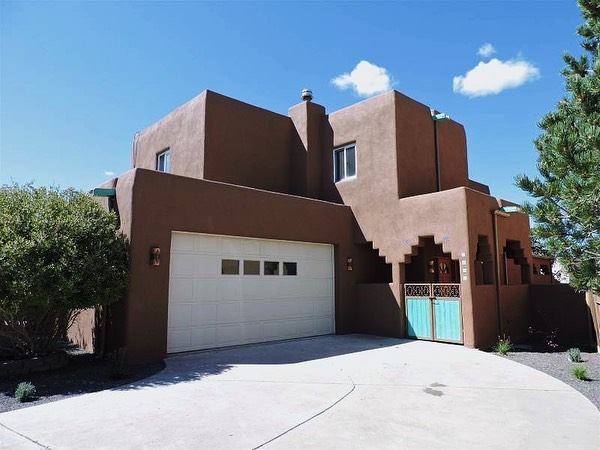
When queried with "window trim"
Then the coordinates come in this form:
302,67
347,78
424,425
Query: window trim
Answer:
165,152
343,149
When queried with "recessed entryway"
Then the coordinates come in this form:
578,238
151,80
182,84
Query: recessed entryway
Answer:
432,294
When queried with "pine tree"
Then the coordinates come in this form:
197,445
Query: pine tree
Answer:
567,208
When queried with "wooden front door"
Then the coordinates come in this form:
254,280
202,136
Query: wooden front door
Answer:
443,270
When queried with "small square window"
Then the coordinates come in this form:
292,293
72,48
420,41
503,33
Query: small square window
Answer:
344,162
251,267
163,161
230,267
290,268
271,268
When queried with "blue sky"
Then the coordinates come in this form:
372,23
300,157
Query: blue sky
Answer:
78,79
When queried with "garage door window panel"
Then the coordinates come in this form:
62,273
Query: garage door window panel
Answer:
251,267
230,267
271,268
290,268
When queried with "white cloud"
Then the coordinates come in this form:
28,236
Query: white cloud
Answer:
366,79
109,173
494,76
486,50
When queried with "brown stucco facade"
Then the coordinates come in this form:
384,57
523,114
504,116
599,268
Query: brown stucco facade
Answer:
239,170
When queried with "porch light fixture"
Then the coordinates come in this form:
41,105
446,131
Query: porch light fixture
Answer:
437,117
155,256
349,264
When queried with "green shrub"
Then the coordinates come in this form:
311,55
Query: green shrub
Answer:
574,355
25,391
503,346
60,252
579,372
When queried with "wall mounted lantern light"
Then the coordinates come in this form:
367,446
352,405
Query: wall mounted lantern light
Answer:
155,256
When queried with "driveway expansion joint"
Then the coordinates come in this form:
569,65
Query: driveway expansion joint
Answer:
311,417
25,437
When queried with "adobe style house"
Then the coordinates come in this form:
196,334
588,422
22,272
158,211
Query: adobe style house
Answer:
250,226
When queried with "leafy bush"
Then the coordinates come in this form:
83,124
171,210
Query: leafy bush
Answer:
574,355
579,372
60,252
25,391
503,346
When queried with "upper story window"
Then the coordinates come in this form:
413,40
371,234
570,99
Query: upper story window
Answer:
344,162
163,161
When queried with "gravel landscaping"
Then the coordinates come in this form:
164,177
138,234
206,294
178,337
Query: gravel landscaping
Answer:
85,373
556,364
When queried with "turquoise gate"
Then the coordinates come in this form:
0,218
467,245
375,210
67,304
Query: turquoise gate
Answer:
433,311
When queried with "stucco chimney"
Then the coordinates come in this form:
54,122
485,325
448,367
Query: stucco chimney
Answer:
307,118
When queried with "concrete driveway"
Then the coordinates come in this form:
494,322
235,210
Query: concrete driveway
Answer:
321,393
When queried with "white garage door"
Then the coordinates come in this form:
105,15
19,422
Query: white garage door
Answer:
226,290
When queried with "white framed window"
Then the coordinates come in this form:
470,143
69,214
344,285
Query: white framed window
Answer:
344,162
163,161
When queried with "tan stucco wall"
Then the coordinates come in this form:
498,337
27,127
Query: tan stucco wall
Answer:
414,147
514,305
307,145
154,204
218,138
377,310
183,132
371,125
247,145
452,143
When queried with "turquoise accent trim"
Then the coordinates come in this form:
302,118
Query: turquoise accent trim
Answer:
447,319
418,312
104,192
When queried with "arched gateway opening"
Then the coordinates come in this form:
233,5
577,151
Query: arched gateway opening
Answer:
432,294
